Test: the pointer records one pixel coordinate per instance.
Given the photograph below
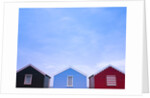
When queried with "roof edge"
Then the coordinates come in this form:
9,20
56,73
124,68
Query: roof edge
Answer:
73,69
108,67
30,65
91,76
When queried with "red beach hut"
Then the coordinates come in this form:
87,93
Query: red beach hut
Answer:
109,78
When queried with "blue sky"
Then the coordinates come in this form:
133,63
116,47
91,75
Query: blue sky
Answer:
87,39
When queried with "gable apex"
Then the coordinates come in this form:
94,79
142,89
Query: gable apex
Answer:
109,66
30,65
70,68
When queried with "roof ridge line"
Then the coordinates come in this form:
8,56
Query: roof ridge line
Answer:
33,68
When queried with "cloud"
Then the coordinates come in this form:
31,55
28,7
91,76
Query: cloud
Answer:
49,66
66,19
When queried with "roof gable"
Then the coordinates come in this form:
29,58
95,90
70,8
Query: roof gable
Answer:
108,67
30,65
70,69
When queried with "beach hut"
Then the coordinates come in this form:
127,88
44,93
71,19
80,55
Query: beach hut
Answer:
30,76
109,78
70,78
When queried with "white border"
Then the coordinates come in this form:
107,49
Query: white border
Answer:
147,24
134,42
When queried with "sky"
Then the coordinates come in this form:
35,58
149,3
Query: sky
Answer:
87,39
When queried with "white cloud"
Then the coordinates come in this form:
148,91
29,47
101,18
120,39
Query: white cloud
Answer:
67,19
49,66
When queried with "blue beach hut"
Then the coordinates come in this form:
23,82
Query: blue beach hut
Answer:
70,78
